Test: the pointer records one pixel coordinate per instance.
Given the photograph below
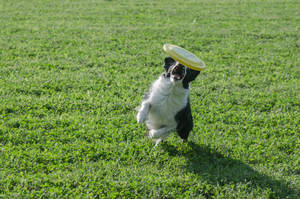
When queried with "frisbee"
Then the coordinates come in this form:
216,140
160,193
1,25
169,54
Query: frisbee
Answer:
184,57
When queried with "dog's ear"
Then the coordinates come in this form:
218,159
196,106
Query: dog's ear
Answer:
191,74
168,62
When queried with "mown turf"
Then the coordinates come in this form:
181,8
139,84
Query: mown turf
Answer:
72,73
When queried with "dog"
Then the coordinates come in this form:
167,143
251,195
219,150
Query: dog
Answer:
166,107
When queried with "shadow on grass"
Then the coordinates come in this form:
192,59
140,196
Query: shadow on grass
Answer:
217,169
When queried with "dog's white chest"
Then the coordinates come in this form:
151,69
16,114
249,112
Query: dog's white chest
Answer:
167,99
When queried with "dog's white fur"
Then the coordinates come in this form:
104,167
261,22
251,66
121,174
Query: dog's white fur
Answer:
166,98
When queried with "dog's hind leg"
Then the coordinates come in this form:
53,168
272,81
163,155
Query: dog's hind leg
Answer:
161,133
157,141
162,136
160,139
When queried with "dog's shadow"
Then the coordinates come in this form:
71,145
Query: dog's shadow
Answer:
219,170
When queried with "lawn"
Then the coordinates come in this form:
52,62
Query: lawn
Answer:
73,71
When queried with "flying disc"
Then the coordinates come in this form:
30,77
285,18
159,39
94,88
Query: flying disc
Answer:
184,57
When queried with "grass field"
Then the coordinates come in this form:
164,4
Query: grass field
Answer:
72,73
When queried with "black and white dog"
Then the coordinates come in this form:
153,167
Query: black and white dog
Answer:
166,107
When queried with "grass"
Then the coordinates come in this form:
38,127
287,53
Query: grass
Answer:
72,73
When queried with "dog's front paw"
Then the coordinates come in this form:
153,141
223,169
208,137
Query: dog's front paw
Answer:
141,117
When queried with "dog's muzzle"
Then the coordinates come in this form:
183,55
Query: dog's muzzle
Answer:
178,72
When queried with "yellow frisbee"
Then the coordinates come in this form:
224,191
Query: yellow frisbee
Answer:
184,57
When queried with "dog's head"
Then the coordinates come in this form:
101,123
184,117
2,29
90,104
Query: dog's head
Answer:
174,70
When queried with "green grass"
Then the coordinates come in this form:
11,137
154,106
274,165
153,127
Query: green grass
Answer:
72,73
